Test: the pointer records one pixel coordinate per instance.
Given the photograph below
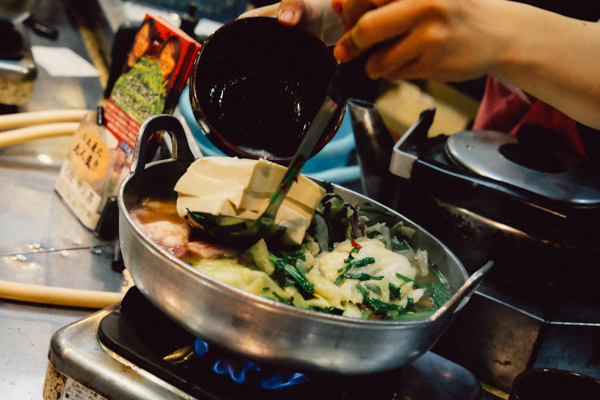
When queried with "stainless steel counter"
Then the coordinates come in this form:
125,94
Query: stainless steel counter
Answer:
41,241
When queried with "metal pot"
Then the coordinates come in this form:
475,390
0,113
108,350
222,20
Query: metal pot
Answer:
262,329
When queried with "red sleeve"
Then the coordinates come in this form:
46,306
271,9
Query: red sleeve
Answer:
504,110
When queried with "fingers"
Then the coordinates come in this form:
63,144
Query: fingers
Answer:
401,60
352,10
392,20
290,12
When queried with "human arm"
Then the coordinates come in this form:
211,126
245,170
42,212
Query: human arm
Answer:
552,57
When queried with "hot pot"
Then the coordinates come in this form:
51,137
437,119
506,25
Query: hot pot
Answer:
259,328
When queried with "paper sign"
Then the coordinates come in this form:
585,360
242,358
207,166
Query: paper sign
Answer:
62,61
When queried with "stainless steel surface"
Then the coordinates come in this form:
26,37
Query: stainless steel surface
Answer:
25,332
479,152
403,152
76,353
41,242
263,329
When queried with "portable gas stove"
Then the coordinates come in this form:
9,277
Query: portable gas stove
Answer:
524,202
119,353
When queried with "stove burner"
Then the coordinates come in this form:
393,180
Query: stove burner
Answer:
533,158
144,336
239,369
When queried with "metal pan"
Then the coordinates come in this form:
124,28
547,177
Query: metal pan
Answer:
262,329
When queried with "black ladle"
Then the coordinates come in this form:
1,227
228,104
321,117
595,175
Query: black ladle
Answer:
349,81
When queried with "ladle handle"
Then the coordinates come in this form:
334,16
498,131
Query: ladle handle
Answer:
466,290
351,81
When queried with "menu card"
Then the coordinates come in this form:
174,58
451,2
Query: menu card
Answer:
150,83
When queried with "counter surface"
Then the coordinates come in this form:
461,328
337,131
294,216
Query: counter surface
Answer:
41,241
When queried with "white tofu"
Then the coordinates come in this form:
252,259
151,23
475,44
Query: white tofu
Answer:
296,224
193,184
230,169
243,187
267,176
212,205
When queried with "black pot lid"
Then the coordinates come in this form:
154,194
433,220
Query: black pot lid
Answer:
550,172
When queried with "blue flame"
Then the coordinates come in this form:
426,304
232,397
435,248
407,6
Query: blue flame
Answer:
281,379
200,347
238,368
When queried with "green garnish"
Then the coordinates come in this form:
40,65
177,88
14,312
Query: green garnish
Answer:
394,291
407,279
412,316
354,264
362,276
439,293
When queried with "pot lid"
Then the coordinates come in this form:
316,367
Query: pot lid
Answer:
557,175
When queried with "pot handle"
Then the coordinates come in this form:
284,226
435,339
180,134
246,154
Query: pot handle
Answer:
466,290
161,123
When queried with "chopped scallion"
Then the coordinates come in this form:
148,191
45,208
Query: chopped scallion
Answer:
407,279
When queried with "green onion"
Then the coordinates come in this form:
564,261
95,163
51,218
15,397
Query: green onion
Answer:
294,254
362,276
382,306
362,291
366,314
398,244
412,316
373,234
362,262
394,291
354,264
439,294
439,275
407,279
281,299
299,277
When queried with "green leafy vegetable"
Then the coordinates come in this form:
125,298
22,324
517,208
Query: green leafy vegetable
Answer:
412,316
362,276
407,279
439,293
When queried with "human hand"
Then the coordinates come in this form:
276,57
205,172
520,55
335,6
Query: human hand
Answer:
442,40
316,16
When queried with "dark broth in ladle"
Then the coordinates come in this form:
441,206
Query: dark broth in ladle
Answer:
259,89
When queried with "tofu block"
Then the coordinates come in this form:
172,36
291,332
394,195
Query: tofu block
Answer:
243,187
194,184
212,205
